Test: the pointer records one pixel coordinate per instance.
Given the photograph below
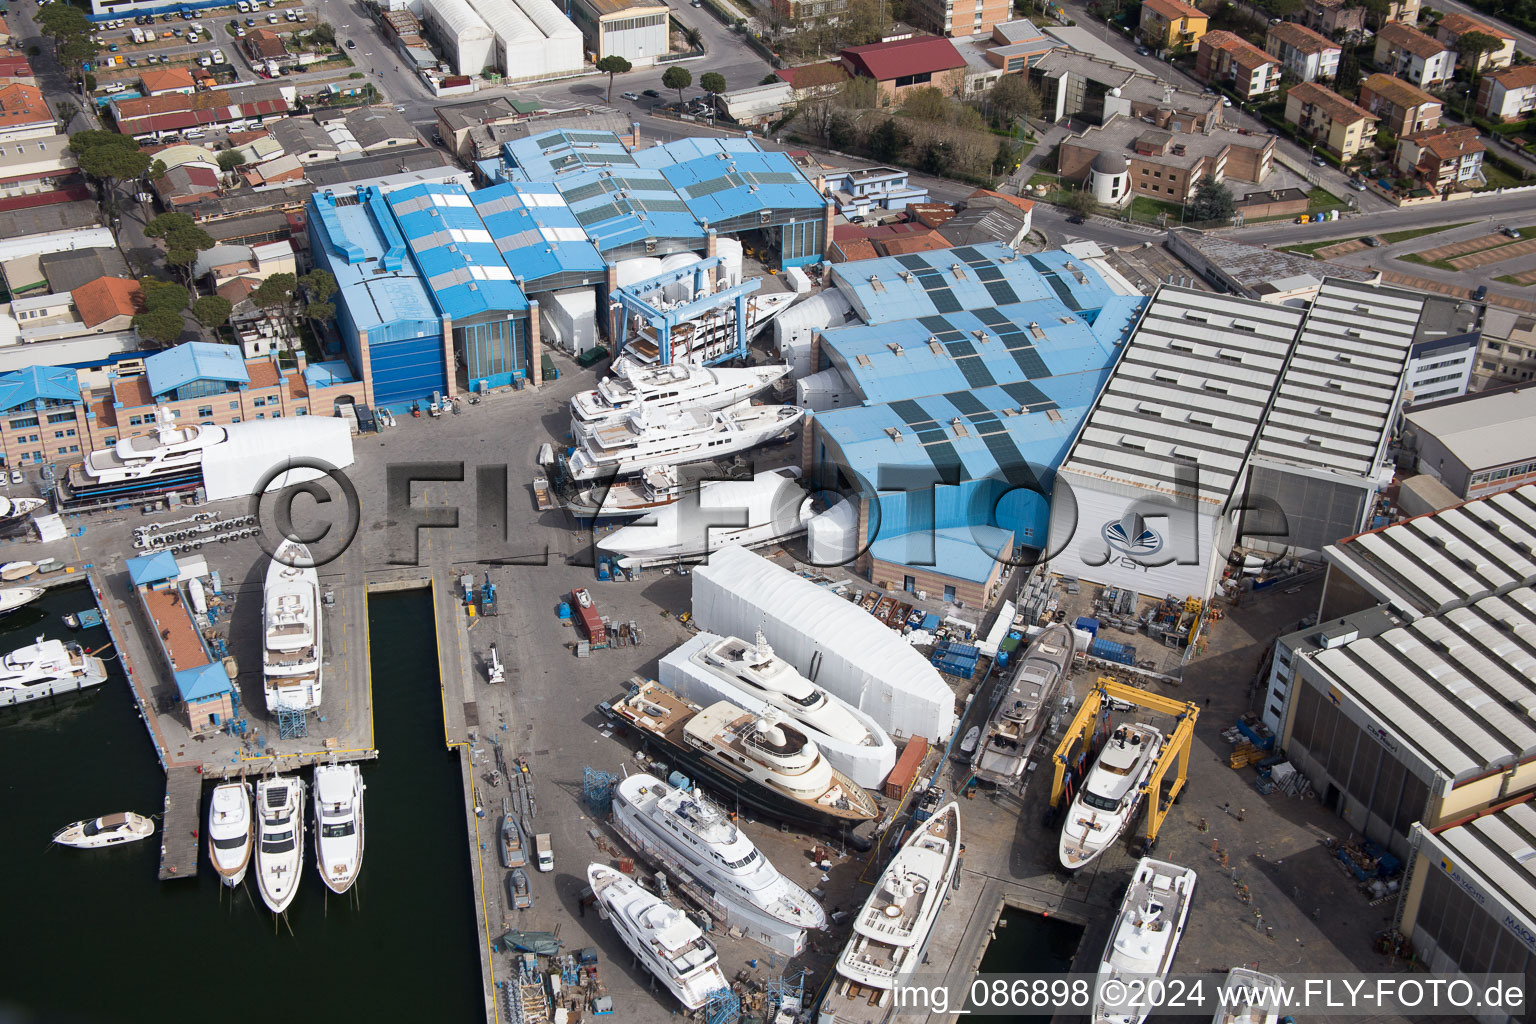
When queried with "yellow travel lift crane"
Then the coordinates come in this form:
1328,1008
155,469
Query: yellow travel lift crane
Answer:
1089,728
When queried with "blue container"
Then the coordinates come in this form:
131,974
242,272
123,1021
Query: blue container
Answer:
1002,658
1089,626
680,781
930,622
565,611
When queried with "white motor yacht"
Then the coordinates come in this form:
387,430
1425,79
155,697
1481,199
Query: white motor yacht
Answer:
891,933
770,507
279,839
630,443
1110,794
293,651
751,676
656,487
46,668
12,598
709,337
706,854
1022,709
662,937
14,510
661,389
1248,997
169,450
108,830
231,831
1147,932
338,792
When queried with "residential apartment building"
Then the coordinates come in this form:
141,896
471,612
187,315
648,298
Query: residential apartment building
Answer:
1171,25
1333,18
1442,159
1304,53
1126,158
1329,118
1451,27
960,17
1508,95
1017,45
42,417
36,164
1402,108
1229,59
1411,55
1506,352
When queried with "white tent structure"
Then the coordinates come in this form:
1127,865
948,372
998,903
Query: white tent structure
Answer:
235,468
462,33
794,328
533,39
833,536
839,647
684,671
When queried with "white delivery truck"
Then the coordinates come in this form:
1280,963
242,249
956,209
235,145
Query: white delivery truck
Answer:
544,852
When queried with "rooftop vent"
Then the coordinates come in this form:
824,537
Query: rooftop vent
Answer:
893,433
896,349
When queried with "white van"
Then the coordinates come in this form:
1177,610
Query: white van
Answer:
543,852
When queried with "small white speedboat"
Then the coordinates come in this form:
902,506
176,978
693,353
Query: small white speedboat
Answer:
968,744
12,598
338,824
280,841
231,831
108,830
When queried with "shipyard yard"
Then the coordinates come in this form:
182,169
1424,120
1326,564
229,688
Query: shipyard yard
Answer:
1267,894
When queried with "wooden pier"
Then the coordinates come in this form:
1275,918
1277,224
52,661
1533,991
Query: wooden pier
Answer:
179,831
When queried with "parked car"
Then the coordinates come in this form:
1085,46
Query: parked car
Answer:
1357,184
1077,218
1371,240
1143,51
652,93
630,95
351,45
250,22
1318,161
16,477
1480,294
1511,232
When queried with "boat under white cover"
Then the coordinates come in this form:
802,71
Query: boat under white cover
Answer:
1147,931
710,668
293,650
231,831
707,855
770,507
279,839
338,792
662,937
891,933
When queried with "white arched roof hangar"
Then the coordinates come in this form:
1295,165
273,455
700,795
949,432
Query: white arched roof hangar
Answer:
528,50
465,33
828,639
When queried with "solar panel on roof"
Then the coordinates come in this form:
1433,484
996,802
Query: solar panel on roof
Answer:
1010,461
709,188
1028,396
597,214
912,261
1002,293
662,206
587,191
940,452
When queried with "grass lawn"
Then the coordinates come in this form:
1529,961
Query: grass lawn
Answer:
1414,257
1042,178
1510,279
1498,177
1148,210
1392,237
1320,199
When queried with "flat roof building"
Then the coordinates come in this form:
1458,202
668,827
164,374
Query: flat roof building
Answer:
1479,443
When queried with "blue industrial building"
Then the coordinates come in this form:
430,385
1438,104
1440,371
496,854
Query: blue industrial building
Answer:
393,335
963,391
539,236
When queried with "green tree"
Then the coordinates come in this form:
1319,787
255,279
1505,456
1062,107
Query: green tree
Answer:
1377,11
159,325
157,169
319,285
1212,202
713,82
1013,96
72,36
230,161
163,295
859,94
677,78
212,310
694,40
275,291
109,157
1346,82
319,310
1081,203
612,65
324,34
182,237
888,141
926,104
1472,48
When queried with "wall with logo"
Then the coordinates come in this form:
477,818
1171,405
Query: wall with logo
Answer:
1143,542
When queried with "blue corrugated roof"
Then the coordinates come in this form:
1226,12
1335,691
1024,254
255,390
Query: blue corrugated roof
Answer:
194,361
969,350
969,277
202,682
740,183
154,568
681,150
453,249
628,205
552,155
536,232
38,383
329,373
357,239
966,552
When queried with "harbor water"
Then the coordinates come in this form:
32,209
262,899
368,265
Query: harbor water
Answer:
1027,942
94,936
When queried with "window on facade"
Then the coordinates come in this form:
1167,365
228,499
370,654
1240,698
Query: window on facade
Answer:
258,402
134,421
205,410
233,406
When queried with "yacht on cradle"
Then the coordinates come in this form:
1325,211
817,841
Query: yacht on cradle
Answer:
108,830
773,504
707,855
514,853
16,510
661,389
231,831
1147,932
890,936
630,443
170,456
339,824
1248,997
293,654
751,676
1110,794
706,338
655,488
760,761
279,839
12,598
46,668
662,938
1023,708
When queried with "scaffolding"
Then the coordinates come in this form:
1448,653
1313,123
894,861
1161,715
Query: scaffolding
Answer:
597,790
783,999
292,723
722,1007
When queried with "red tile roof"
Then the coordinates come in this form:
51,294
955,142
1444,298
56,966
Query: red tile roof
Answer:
855,249
1522,77
1173,10
106,297
1459,25
1244,53
23,104
1403,37
132,391
1331,103
924,242
164,79
916,56
1399,93
1024,204
1302,38
263,374
1448,143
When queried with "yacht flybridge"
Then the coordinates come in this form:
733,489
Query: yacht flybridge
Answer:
1110,794
1146,934
639,439
1020,714
662,937
170,452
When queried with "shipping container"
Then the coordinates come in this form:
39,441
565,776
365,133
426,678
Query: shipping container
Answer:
907,767
591,621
